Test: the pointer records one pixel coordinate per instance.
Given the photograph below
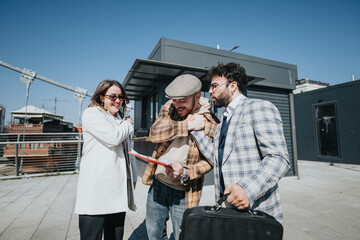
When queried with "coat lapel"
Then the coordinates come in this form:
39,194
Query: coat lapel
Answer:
231,133
216,144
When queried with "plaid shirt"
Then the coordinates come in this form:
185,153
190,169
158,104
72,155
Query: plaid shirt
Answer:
163,131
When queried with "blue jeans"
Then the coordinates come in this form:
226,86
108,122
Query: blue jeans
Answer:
163,201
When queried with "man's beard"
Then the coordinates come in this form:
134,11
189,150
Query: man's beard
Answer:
174,115
220,103
222,100
192,109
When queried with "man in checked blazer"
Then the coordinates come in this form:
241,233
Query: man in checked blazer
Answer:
249,152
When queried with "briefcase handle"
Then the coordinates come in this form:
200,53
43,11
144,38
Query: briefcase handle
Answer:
224,197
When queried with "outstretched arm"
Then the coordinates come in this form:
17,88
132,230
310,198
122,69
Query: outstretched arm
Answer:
204,144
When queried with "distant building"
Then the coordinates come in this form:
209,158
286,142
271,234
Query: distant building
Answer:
305,85
34,124
37,120
2,118
328,124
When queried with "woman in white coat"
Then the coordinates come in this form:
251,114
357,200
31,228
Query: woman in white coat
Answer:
105,189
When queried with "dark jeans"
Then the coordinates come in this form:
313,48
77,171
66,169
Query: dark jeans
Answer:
92,226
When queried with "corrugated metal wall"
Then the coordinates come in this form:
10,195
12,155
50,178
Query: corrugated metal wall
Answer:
281,101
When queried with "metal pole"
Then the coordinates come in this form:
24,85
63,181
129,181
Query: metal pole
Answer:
17,159
27,76
293,133
42,78
55,106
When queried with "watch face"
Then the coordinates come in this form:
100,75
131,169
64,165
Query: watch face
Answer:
184,179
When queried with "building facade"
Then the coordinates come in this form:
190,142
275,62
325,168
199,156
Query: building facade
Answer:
328,124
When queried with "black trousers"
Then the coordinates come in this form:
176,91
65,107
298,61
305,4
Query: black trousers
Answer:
92,226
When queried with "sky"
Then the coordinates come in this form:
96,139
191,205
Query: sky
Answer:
81,43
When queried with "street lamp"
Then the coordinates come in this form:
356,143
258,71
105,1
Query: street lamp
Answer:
233,48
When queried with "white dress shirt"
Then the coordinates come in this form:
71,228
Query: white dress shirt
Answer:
229,111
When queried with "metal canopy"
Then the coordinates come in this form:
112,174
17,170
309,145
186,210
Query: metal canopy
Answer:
145,74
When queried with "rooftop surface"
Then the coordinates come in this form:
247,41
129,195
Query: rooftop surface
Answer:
324,203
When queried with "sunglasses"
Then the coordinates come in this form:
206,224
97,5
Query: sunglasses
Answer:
113,97
214,86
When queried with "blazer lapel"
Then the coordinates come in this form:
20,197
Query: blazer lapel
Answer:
216,144
231,133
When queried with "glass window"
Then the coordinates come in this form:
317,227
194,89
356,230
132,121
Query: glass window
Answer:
148,113
151,110
327,134
156,105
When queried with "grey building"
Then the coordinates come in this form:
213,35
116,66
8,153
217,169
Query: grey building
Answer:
328,124
147,79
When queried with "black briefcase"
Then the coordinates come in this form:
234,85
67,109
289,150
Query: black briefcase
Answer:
216,223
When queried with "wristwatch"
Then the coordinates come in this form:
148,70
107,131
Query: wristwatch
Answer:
185,178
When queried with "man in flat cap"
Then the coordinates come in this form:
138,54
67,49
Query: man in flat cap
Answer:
174,189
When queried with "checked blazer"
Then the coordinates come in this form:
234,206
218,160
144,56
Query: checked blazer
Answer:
255,153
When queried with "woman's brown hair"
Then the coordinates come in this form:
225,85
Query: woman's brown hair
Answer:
101,91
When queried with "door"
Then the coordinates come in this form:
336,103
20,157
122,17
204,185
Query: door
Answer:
327,130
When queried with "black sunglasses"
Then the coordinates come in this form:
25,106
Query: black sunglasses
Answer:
214,86
113,97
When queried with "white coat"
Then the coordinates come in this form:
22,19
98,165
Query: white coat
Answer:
103,187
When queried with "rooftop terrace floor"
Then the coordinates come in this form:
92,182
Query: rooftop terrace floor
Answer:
323,204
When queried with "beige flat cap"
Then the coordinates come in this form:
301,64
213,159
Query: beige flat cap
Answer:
183,86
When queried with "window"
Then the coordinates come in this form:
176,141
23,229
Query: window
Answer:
327,133
151,110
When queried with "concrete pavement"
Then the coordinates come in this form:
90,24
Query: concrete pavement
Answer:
323,204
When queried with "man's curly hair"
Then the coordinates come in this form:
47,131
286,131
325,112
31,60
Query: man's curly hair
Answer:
232,72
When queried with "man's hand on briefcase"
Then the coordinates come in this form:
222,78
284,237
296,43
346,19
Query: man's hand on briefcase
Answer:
237,197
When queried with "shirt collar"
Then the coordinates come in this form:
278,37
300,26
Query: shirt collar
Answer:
232,106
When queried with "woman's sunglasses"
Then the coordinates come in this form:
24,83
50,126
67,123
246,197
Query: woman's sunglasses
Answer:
113,97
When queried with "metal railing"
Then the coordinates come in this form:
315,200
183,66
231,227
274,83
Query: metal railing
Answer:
39,153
